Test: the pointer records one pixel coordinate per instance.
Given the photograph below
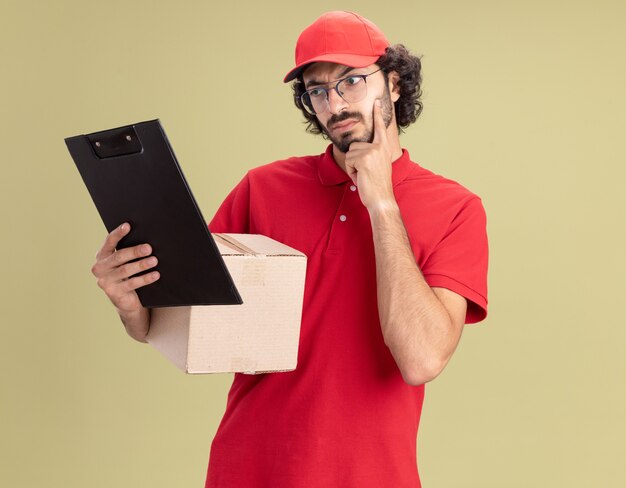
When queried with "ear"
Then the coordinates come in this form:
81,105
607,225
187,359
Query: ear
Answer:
394,88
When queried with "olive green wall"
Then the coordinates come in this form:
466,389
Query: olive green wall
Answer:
524,104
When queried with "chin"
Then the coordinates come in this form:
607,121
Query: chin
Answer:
349,138
343,140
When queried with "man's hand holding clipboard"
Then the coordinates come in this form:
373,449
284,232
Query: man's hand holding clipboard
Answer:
114,270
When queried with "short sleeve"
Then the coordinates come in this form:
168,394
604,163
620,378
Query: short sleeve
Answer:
459,261
233,215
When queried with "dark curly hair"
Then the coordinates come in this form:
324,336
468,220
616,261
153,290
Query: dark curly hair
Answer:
408,107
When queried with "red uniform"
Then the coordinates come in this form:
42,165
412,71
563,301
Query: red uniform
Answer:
344,418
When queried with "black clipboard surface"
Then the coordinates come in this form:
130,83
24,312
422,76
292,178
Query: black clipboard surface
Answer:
133,176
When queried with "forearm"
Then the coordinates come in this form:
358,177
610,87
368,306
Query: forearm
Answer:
136,323
415,324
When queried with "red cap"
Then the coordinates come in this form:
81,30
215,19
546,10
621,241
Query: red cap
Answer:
339,37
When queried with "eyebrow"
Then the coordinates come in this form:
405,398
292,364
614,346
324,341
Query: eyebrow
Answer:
317,82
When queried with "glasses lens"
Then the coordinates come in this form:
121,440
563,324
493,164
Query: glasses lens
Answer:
352,89
306,103
316,100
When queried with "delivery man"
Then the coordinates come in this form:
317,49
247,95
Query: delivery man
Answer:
397,264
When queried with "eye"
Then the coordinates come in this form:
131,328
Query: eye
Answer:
317,92
353,80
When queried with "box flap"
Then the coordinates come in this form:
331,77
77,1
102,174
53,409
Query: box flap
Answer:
231,247
253,244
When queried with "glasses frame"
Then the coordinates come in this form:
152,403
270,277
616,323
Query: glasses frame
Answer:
336,88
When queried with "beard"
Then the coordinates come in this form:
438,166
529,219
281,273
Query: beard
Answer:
343,141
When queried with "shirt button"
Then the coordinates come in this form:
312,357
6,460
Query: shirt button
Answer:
353,188
343,218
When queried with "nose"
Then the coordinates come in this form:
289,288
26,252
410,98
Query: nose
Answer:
336,104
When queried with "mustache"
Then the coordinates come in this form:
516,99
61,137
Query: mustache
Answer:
335,119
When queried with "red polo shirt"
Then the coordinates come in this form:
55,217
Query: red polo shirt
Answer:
344,418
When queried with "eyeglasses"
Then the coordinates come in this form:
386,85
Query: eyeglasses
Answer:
352,89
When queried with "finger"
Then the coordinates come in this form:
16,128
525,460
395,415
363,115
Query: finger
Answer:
122,294
352,173
143,280
111,241
135,267
351,163
121,257
358,147
112,279
357,155
380,131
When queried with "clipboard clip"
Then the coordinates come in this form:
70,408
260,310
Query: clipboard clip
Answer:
115,142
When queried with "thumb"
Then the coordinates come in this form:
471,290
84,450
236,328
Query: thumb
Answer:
352,173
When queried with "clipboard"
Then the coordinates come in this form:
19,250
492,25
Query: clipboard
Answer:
133,176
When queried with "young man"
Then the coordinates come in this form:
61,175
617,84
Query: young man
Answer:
397,263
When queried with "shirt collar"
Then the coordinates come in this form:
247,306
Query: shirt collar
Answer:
331,174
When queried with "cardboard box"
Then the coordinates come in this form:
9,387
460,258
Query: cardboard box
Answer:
257,337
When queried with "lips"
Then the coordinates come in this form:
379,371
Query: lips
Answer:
344,125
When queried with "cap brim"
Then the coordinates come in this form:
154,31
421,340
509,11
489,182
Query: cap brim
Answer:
352,60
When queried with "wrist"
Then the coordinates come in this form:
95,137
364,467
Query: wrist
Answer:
130,314
136,323
383,207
